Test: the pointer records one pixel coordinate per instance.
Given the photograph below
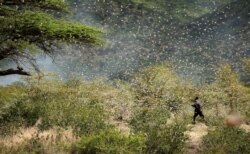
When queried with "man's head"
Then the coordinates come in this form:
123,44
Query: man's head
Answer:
196,98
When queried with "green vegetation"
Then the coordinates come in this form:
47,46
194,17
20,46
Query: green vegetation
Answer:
29,27
147,115
226,90
56,103
163,136
111,141
226,140
150,112
159,85
168,139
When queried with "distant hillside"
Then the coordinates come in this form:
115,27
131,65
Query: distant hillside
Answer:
226,31
177,10
182,10
230,19
144,32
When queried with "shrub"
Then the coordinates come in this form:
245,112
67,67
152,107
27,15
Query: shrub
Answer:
55,103
14,110
166,140
159,85
164,135
111,142
226,140
147,118
67,105
158,92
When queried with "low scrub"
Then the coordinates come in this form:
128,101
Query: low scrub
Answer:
166,139
164,134
110,142
226,140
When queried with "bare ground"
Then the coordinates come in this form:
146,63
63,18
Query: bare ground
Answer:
195,135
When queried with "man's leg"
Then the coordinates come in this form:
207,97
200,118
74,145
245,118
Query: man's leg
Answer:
195,115
202,116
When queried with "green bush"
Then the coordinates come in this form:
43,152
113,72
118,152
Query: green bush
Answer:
158,92
54,102
166,140
67,105
145,119
226,140
111,142
164,135
14,110
160,85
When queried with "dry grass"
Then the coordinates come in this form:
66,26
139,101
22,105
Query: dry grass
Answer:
28,133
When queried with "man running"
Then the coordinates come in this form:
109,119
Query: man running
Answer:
197,109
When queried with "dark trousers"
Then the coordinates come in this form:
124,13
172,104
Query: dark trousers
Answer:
196,113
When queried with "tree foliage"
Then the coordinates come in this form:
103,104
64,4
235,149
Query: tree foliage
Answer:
28,27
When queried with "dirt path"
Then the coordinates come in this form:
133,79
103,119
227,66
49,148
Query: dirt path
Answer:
195,135
245,127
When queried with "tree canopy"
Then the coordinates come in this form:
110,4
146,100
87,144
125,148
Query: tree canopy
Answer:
32,26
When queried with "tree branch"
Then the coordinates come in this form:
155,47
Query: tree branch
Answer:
18,71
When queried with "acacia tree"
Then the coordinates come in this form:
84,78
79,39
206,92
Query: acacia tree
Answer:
28,27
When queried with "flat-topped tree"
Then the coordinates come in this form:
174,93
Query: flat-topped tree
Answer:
30,26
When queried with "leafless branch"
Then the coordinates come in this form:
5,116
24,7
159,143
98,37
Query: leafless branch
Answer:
18,71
